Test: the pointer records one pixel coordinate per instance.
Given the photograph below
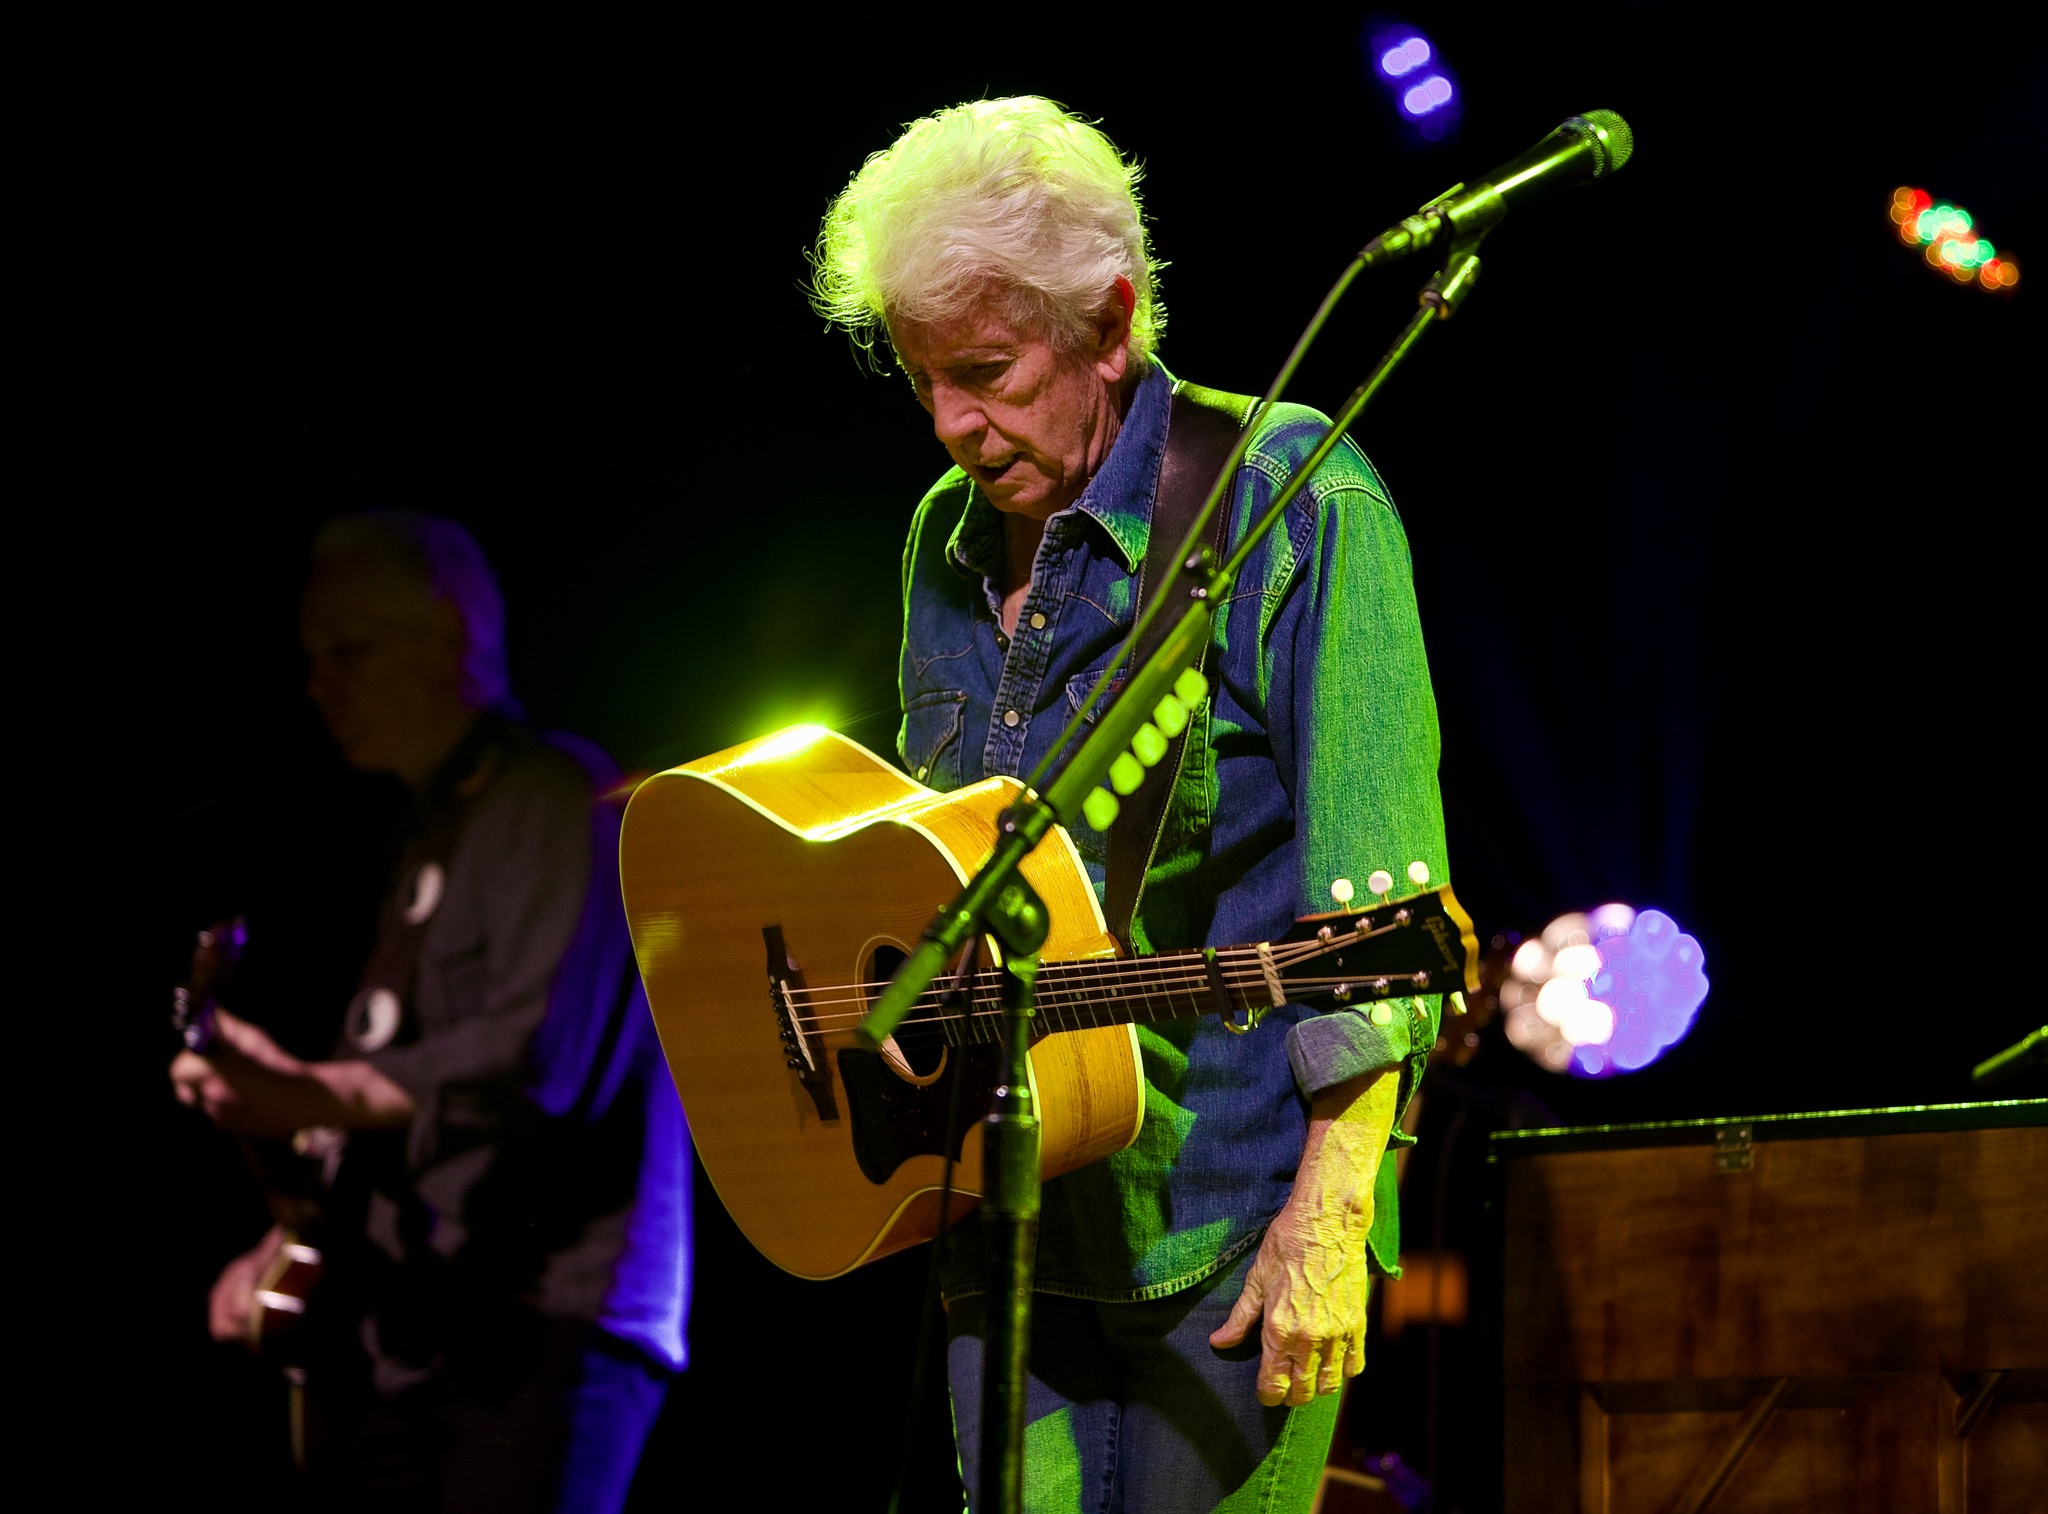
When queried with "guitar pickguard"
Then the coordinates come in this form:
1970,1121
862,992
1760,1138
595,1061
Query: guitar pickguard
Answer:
894,1121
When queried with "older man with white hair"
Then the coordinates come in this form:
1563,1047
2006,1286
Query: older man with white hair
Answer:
1000,248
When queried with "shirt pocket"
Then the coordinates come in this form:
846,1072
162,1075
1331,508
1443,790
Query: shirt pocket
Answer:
931,737
1077,692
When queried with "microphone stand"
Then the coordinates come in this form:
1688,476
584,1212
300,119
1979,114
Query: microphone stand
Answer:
1000,901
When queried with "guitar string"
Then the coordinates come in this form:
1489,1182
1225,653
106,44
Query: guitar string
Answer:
1073,993
1073,1005
1072,1012
1084,981
1076,986
1087,978
1188,966
982,1026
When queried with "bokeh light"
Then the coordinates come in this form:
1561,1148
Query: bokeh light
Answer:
1406,57
1411,68
1431,94
1950,242
1603,992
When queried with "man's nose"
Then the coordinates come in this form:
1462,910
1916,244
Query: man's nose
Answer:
956,415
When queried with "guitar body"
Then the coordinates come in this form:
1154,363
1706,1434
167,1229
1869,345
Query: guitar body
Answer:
804,858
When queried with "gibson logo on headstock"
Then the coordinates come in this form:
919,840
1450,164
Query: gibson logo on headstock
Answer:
1444,936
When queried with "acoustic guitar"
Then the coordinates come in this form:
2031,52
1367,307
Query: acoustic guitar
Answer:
774,888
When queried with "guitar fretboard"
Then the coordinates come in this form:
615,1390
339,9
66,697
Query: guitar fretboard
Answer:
1113,991
1358,958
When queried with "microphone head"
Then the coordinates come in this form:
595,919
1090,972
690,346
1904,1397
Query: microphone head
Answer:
1616,141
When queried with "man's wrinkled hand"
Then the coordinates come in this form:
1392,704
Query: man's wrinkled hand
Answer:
1308,1285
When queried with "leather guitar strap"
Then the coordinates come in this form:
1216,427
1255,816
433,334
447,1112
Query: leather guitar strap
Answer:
1201,428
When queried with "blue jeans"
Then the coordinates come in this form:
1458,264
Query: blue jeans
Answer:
616,1400
1130,1410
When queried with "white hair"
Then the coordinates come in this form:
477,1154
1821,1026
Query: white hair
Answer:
1016,196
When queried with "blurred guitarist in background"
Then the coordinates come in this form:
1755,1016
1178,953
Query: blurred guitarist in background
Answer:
506,1226
1200,1296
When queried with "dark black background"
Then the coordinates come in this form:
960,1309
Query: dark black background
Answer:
1718,501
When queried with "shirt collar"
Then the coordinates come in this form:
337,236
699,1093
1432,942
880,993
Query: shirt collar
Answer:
1118,498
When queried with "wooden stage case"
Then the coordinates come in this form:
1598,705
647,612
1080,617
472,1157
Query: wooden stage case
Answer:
1797,1313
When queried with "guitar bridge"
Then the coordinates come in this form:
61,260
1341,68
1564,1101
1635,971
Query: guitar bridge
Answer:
797,1042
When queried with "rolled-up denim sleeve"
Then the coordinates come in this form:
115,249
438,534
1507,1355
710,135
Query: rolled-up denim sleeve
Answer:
1355,728
1325,1050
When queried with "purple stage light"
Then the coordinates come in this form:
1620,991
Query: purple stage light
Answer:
1405,57
1432,93
1653,980
1603,992
1412,70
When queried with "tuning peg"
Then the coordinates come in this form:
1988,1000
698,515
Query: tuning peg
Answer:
1192,687
1341,891
1170,715
1100,808
1418,873
1125,775
1381,883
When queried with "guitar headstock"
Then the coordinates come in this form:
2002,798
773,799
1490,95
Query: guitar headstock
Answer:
1421,944
215,955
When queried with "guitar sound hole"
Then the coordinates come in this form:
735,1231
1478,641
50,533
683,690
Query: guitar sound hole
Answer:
918,1052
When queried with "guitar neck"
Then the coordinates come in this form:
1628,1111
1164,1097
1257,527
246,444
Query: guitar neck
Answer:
1147,990
1422,944
1231,981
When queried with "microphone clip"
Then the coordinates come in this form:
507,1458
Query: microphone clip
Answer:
1412,233
1447,290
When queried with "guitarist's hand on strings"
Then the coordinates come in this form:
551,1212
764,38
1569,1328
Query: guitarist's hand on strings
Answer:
1308,1282
246,1082
231,1306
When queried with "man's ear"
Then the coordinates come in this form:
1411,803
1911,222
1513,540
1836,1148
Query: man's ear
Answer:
1113,331
450,637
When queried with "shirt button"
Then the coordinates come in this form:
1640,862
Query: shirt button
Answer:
1038,622
1011,717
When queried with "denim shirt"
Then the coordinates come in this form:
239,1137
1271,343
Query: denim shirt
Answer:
1314,759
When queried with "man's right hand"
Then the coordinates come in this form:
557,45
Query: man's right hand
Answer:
231,1306
246,1082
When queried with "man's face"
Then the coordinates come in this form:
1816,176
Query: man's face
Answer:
384,665
1029,424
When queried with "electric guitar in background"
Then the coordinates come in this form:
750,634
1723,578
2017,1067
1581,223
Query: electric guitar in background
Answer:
288,1282
774,888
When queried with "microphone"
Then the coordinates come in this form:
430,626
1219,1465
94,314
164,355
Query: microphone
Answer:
1583,149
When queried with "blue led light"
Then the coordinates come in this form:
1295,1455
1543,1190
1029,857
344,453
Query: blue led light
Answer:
1405,58
1413,71
1432,93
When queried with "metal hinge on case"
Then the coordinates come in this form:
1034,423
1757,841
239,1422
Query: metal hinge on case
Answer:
1733,1151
